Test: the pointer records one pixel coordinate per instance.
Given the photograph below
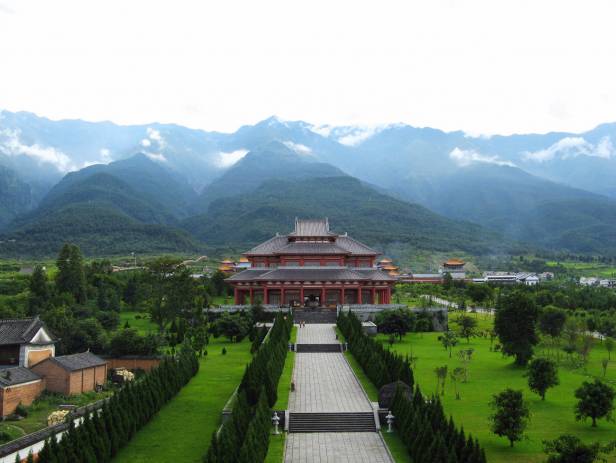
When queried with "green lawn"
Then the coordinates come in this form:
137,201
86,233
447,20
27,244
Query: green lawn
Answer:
42,407
275,451
284,385
491,373
182,430
139,321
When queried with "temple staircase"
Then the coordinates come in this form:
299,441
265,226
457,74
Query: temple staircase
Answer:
332,422
316,315
314,348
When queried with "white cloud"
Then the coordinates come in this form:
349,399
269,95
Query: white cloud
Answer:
228,159
145,142
11,144
154,135
298,147
467,157
156,157
571,147
471,134
323,130
105,156
358,135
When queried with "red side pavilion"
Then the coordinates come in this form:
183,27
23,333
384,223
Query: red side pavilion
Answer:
312,267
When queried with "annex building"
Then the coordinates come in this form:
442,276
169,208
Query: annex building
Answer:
312,267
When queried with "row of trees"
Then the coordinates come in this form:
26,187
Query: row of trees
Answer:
104,432
428,435
382,366
421,422
244,438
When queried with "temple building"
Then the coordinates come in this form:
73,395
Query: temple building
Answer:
312,267
455,267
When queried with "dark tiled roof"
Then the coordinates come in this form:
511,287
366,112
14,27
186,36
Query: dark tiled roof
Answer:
376,275
248,274
76,362
312,274
19,331
311,248
355,247
269,246
16,375
311,227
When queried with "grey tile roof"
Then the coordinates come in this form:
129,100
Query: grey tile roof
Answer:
376,275
16,375
269,246
77,362
355,247
311,227
312,274
311,248
248,274
20,331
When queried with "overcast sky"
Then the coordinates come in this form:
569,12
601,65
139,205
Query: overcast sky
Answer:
480,66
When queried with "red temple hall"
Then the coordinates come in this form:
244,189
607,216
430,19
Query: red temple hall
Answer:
312,267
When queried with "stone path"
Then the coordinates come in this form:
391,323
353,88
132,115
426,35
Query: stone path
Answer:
316,334
324,382
336,447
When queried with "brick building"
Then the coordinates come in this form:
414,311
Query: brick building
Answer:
72,374
18,385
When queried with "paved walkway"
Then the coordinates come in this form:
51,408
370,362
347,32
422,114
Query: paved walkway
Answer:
316,334
336,447
324,382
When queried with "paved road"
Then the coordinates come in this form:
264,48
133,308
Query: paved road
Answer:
324,382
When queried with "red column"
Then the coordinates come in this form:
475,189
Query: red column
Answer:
252,300
322,296
301,295
265,295
342,295
359,294
374,295
282,296
236,296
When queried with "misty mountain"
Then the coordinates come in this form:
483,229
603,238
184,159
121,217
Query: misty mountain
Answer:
352,206
273,161
15,196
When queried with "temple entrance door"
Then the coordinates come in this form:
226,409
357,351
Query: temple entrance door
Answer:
312,298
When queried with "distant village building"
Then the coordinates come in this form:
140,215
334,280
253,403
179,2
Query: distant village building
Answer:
72,374
312,266
24,342
508,278
596,281
455,268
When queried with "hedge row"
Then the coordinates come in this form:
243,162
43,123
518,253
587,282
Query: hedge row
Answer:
381,365
103,433
420,421
244,438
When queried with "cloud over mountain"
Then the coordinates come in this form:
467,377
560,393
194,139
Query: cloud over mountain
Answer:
465,158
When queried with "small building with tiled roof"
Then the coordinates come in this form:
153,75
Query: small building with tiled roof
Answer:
312,266
24,342
455,268
18,385
72,374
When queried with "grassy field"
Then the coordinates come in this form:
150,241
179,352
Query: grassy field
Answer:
142,324
284,385
490,373
587,268
182,430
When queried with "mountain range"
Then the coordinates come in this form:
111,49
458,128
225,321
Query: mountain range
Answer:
164,188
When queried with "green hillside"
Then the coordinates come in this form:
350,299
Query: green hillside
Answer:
97,228
351,206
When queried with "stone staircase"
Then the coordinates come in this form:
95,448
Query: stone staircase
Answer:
315,348
314,315
332,422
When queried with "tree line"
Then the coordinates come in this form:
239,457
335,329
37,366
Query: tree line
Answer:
420,420
244,438
104,432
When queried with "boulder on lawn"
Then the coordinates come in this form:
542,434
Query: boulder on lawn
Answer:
57,417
